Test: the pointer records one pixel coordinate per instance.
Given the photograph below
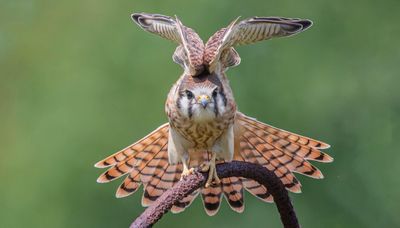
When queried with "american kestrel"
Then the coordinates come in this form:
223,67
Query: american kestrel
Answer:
204,126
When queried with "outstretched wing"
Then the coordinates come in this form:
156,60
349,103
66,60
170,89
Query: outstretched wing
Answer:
280,151
146,162
219,47
189,53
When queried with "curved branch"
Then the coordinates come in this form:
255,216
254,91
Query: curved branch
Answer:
232,169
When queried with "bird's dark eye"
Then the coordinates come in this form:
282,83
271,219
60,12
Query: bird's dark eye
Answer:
215,93
189,94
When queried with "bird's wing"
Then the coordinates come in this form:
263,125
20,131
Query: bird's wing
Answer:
219,47
278,150
189,53
145,161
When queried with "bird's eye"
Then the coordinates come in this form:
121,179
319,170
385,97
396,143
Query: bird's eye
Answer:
215,93
189,94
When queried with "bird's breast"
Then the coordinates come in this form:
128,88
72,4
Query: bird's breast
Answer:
202,135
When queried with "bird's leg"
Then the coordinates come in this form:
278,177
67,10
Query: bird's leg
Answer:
186,171
212,172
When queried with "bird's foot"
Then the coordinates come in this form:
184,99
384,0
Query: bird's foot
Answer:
212,173
205,167
186,172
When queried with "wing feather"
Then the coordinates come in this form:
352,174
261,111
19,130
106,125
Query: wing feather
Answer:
218,47
127,152
280,151
189,53
232,188
211,197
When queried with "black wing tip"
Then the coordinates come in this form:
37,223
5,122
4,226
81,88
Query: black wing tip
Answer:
137,18
293,25
144,19
300,25
212,208
306,23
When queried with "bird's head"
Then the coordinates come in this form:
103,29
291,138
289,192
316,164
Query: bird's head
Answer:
201,98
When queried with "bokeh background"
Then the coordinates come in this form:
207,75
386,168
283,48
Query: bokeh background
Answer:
79,81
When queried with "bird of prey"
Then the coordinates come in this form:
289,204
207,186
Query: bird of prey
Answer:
204,125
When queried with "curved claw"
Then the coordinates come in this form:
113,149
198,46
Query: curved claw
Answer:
186,172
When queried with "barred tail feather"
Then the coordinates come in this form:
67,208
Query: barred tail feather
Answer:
164,181
232,188
135,163
287,178
153,167
280,157
129,186
134,148
280,151
211,197
184,203
286,135
257,190
146,161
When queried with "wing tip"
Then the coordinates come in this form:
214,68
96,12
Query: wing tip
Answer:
100,165
106,177
328,158
102,179
238,209
319,175
177,210
296,189
211,212
136,17
120,195
323,146
323,158
306,23
145,202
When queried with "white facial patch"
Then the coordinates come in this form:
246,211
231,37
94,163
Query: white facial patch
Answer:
200,113
184,103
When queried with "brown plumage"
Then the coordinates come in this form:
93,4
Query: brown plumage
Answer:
205,127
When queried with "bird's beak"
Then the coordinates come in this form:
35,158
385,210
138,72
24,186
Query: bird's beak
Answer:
203,100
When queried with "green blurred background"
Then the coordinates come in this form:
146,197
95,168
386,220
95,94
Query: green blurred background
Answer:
79,81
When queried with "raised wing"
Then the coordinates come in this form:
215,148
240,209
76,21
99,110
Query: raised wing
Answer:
189,53
246,32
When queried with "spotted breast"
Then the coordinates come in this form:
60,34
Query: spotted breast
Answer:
201,125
